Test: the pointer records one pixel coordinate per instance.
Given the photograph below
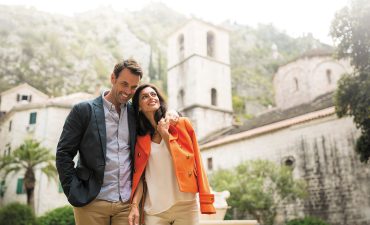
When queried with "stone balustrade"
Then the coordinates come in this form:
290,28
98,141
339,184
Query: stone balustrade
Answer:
228,222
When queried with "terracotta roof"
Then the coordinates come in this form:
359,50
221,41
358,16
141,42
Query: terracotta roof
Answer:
322,105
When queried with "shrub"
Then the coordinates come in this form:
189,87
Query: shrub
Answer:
307,221
58,216
17,214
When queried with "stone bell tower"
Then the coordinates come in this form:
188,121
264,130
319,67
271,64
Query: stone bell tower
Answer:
198,80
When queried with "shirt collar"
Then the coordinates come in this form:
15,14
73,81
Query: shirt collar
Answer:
110,105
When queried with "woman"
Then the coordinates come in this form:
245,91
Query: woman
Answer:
168,166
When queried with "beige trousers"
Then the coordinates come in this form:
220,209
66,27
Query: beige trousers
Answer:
100,212
182,213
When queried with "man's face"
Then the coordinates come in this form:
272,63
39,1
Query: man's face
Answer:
123,87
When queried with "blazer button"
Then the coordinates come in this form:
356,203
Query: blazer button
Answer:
190,173
188,156
139,154
180,146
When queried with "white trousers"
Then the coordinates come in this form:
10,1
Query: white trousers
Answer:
182,213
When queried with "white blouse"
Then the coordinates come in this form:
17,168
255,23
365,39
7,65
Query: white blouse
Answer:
163,191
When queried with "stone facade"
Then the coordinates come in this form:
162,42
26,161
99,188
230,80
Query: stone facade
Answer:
16,126
198,80
304,131
306,78
322,150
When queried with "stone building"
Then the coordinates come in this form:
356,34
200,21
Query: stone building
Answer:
29,113
199,82
303,131
303,80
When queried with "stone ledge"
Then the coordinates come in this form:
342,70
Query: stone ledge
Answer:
228,222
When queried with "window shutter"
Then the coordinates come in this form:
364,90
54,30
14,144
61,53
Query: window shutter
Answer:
20,186
18,97
33,117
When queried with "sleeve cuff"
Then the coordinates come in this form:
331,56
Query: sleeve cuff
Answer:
206,203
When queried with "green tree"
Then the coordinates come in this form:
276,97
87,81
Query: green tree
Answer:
259,188
307,221
351,32
59,216
27,158
17,214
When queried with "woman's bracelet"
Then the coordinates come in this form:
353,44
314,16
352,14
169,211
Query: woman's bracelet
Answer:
132,205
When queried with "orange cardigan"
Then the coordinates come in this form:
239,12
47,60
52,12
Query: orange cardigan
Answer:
186,157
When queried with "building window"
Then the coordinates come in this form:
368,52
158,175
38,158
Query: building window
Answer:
214,96
24,98
33,117
296,84
288,161
210,163
20,187
210,44
180,98
10,125
328,76
181,46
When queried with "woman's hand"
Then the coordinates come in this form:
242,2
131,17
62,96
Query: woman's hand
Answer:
162,128
134,216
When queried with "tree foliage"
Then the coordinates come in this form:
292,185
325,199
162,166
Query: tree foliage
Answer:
59,216
259,188
27,158
307,221
351,32
17,214
60,55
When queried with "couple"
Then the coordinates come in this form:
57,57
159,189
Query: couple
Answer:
134,158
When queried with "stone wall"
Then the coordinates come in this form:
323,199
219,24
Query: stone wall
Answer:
307,78
323,154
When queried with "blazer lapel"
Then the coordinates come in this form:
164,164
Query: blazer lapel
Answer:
131,128
100,121
144,143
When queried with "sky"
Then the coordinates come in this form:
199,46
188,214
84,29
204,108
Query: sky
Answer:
295,17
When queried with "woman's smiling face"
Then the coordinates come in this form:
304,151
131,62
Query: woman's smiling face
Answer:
148,100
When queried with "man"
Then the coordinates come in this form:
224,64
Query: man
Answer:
103,132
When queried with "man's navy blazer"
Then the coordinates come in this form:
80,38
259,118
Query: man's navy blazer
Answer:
84,132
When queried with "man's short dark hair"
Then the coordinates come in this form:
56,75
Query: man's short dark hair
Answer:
130,64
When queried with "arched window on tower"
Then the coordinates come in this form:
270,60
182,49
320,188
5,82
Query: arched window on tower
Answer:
180,98
210,44
296,84
181,47
214,97
328,76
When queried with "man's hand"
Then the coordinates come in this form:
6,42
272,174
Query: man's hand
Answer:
172,116
133,217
